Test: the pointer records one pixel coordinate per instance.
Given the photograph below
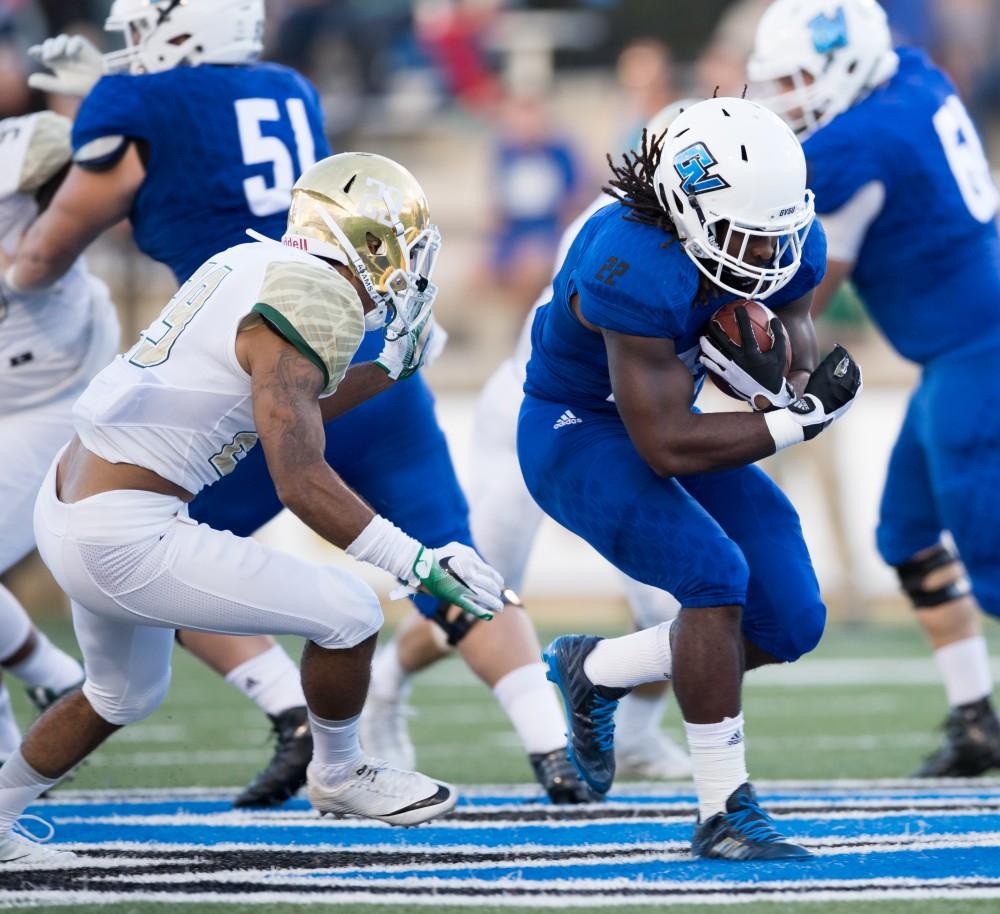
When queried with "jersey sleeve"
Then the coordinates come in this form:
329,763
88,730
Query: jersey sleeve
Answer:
634,285
811,270
115,112
317,311
839,165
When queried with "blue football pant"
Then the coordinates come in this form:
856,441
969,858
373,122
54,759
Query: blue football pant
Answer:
715,539
944,472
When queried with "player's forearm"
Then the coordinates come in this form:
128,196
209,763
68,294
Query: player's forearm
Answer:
361,383
325,504
707,442
38,263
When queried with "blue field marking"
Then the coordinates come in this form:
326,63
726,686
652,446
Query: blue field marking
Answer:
505,847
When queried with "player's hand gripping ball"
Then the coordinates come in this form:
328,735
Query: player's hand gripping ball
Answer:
748,355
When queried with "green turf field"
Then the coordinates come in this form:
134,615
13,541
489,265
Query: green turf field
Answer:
865,705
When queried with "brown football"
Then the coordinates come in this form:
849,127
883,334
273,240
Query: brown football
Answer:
760,316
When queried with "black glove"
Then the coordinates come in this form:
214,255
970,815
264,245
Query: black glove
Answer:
748,371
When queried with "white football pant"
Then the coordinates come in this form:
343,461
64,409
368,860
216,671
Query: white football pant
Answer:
136,567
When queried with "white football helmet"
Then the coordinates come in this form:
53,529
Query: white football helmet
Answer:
730,174
163,34
834,52
657,125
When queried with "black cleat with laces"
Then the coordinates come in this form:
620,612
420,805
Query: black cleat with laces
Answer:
971,743
286,772
590,710
743,832
555,772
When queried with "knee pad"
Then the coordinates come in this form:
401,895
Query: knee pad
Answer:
122,710
912,574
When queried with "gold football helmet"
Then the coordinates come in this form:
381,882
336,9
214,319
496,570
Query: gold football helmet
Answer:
369,213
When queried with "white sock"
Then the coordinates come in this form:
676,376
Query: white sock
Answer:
336,749
638,717
48,667
15,626
270,680
965,669
631,660
10,733
20,784
718,758
530,701
390,682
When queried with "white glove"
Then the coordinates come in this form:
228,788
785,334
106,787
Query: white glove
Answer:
456,574
404,354
74,61
832,389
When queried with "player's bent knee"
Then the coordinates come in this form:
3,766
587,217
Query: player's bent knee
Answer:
807,632
353,614
721,580
128,708
914,573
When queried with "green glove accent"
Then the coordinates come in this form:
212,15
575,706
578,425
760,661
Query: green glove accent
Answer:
439,582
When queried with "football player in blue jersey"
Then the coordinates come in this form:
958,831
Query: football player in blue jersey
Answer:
195,143
909,205
612,447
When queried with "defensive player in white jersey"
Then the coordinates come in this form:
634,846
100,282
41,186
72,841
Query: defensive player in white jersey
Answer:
505,520
51,344
255,345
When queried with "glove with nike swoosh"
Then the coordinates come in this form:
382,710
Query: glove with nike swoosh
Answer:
454,573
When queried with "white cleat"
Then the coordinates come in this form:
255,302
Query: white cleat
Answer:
377,790
23,848
655,757
385,733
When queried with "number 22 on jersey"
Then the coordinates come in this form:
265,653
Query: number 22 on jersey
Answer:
156,341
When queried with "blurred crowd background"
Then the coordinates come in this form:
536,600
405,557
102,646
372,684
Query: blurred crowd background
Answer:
505,111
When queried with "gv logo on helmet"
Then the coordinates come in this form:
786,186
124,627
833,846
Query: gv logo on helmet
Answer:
692,165
829,32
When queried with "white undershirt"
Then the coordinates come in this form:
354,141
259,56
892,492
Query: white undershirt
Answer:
846,227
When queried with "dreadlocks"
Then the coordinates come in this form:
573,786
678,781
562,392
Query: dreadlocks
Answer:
631,183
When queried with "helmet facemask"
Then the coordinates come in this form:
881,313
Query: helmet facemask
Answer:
402,294
170,33
713,252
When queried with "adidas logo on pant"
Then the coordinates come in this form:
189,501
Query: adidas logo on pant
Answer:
567,418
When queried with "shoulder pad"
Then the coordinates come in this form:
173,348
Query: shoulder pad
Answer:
317,311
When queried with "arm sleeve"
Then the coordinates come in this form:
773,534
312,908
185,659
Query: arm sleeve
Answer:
114,113
317,311
846,227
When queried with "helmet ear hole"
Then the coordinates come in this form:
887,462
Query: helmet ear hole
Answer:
374,243
677,202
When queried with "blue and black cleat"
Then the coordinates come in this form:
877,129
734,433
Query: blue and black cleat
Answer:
743,832
590,710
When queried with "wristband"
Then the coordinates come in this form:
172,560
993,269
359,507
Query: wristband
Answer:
8,281
784,429
385,546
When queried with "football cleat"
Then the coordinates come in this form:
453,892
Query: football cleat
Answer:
23,847
384,731
286,772
743,832
376,790
555,772
43,698
971,743
590,709
651,755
